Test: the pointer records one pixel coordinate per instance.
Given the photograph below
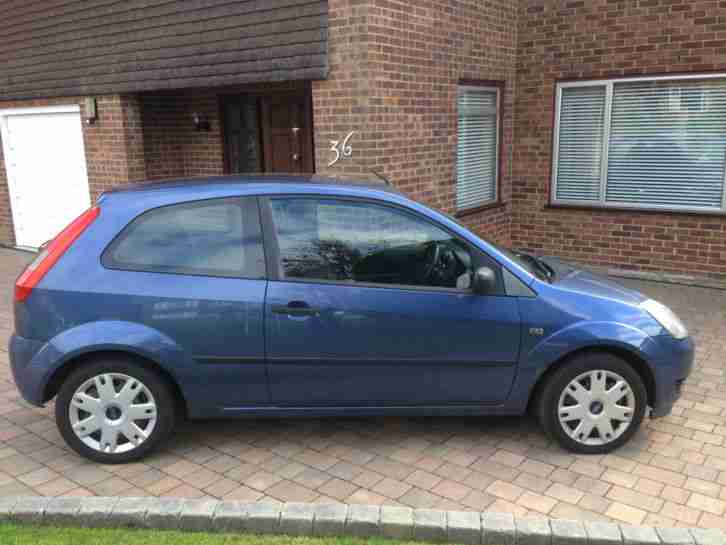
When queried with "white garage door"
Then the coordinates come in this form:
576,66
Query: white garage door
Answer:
45,163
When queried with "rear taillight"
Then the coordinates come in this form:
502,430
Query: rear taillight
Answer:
51,253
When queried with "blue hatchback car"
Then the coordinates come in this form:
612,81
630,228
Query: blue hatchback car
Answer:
300,296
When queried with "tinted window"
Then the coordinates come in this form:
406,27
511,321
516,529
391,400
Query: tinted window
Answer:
218,237
323,239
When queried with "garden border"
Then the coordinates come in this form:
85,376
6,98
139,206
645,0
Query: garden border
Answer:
308,519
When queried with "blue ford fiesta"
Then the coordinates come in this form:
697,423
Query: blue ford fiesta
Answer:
300,296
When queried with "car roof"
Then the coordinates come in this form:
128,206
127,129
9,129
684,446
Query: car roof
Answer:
250,183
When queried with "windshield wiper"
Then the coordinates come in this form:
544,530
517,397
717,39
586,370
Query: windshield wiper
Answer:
547,271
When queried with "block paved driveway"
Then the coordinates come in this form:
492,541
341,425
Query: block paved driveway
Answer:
673,473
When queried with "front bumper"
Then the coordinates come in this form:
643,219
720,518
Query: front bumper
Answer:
671,369
30,379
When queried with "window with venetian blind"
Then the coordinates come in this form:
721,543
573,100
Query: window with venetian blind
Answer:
655,143
477,151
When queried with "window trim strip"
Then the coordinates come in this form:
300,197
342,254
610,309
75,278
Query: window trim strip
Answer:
602,203
499,86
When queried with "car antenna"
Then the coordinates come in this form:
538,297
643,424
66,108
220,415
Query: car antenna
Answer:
381,176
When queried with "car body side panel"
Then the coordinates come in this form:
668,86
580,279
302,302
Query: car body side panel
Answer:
553,328
390,346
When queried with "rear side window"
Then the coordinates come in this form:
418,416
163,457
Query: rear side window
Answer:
218,237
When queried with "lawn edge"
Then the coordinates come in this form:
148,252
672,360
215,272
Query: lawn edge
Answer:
321,520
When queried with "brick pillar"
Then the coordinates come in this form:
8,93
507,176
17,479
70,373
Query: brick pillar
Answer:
341,102
115,143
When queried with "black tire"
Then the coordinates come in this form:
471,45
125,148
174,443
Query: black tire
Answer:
160,390
547,403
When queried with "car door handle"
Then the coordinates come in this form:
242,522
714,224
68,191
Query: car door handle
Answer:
295,308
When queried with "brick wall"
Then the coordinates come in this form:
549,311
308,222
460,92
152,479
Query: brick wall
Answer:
394,70
113,145
566,39
173,147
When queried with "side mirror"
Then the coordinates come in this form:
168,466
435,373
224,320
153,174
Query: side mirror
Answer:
484,281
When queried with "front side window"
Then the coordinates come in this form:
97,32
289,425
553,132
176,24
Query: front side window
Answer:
641,143
349,241
477,149
218,237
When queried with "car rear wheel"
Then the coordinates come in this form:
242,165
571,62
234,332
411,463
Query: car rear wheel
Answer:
114,410
592,404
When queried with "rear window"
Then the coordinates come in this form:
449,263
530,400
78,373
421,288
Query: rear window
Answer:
218,237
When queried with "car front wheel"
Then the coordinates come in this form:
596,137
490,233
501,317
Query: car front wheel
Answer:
593,403
114,410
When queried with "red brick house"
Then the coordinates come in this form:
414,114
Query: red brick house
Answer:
593,129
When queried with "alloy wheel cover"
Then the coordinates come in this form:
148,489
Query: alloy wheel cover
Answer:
113,413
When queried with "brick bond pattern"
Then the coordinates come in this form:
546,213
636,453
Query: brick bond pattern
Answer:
672,474
394,70
307,519
566,39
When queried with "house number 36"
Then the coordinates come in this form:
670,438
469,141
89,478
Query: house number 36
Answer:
341,149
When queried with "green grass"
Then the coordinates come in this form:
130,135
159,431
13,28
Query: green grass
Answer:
11,534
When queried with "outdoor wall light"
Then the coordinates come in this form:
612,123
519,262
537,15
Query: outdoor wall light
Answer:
91,111
200,122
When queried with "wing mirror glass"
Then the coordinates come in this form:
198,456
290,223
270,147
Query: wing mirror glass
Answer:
484,281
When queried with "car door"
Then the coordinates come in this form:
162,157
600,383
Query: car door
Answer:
195,271
355,315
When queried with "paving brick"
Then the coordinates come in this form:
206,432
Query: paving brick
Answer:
505,490
626,513
397,522
635,499
537,502
705,503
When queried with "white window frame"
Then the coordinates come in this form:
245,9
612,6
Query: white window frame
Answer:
497,159
609,85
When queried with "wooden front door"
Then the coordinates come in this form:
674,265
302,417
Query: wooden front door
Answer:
268,133
287,133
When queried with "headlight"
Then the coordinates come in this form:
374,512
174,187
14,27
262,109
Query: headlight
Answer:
665,317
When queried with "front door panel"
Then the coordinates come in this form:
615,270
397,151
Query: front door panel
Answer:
287,132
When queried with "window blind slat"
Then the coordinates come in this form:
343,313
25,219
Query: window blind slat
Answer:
477,147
